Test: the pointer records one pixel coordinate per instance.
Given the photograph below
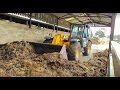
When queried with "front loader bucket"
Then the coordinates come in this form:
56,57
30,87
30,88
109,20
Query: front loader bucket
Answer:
41,48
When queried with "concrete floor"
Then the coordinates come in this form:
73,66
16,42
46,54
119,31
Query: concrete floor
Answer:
95,48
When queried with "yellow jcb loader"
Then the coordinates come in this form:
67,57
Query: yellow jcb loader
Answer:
71,45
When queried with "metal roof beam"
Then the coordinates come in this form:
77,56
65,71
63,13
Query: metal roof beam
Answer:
52,15
82,23
88,17
101,21
75,17
104,23
63,16
83,16
99,17
78,19
104,15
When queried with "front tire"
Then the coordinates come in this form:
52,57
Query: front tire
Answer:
74,51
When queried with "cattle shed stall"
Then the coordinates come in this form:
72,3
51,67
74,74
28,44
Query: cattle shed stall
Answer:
34,27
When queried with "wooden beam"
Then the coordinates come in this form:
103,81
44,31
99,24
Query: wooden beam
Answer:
30,20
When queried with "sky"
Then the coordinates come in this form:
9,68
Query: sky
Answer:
117,25
106,31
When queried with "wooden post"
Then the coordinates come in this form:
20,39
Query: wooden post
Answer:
39,27
47,26
30,20
54,27
26,22
57,24
10,19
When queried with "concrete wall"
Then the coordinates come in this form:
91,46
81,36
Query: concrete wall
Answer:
11,31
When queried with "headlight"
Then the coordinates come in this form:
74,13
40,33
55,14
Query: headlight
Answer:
65,37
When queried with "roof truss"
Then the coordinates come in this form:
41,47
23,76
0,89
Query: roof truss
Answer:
89,17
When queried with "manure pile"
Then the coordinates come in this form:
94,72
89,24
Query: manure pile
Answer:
19,59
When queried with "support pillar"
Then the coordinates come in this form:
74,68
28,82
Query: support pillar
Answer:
54,27
110,62
30,20
112,29
10,19
57,24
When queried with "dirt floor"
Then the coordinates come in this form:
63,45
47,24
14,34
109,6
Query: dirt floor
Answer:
20,59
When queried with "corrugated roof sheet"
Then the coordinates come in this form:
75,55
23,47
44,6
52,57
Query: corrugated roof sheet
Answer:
83,18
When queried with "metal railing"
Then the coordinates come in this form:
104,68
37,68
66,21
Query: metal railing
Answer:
34,18
111,66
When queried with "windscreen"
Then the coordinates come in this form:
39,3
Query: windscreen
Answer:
76,32
85,33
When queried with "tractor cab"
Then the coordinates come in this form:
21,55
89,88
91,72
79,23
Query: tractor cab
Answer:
80,31
83,35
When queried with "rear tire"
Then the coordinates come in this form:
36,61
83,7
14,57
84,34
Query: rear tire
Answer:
74,51
87,49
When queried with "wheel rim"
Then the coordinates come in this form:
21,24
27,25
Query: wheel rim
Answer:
89,49
77,55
